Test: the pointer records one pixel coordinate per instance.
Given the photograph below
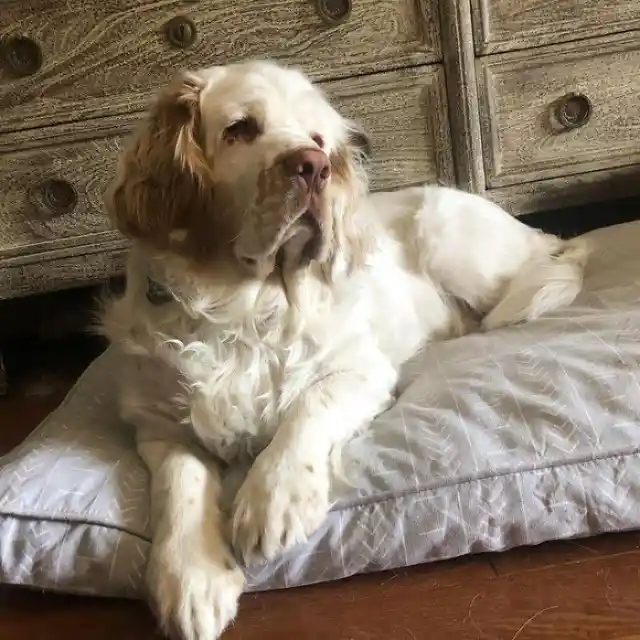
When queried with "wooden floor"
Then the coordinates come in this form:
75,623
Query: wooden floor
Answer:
582,590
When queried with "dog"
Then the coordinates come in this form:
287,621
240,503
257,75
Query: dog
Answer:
270,303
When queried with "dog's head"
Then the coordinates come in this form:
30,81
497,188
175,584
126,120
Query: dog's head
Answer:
248,163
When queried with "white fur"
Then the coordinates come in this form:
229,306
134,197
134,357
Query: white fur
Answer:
226,370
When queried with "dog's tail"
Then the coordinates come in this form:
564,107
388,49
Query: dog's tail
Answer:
549,281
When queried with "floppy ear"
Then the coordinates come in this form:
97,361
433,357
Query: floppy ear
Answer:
359,141
347,169
160,178
349,158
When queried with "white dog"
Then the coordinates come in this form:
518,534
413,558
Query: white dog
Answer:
289,300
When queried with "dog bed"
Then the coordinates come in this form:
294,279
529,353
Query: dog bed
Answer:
513,437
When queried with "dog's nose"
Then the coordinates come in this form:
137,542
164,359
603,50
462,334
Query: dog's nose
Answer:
312,165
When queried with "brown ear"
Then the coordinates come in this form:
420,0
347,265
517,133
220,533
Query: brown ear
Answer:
160,178
347,161
359,141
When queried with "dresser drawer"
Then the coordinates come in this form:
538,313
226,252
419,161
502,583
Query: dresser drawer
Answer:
565,110
404,112
504,25
52,197
88,58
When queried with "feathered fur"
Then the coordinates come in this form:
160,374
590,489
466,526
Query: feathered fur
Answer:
290,311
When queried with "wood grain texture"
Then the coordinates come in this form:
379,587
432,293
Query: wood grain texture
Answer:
595,186
459,63
67,133
405,113
518,92
61,269
590,600
505,25
563,552
87,165
107,56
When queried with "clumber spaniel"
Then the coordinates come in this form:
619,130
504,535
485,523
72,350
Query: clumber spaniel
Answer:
286,299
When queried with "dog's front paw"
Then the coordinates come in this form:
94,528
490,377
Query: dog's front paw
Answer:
279,505
194,591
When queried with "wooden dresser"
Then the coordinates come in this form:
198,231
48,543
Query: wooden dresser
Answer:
536,103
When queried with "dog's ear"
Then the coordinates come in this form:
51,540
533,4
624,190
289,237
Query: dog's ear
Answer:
348,171
359,141
161,177
349,158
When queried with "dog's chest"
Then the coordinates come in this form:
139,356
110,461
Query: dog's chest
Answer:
237,404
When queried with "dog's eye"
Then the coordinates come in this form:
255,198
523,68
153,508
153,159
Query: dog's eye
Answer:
243,130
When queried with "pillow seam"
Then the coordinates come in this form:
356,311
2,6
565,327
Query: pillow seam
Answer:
349,507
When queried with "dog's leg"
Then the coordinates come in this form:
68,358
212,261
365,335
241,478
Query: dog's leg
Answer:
546,283
192,576
285,496
503,269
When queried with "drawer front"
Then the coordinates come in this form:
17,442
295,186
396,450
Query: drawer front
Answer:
566,110
52,197
405,113
506,25
61,270
89,59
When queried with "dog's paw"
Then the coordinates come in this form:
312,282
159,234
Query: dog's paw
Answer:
279,505
194,592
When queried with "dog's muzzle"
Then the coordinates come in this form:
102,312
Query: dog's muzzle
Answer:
290,218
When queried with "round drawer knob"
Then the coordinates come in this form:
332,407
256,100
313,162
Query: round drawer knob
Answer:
333,12
573,110
21,56
54,197
180,32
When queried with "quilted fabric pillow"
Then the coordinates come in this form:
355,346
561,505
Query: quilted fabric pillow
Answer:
509,438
